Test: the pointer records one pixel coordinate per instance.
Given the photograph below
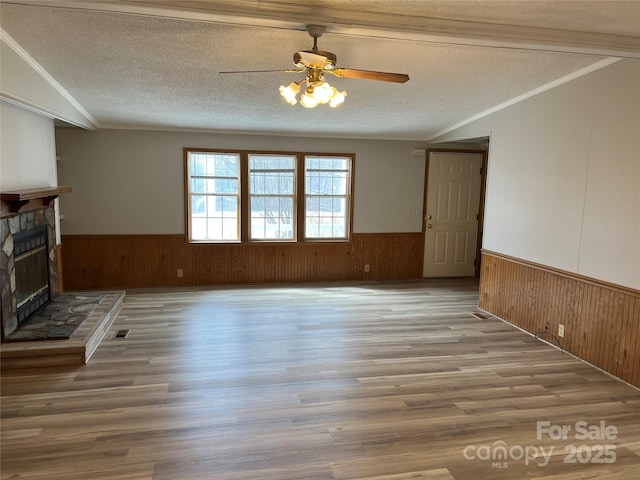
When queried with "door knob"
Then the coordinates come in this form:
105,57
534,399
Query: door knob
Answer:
429,225
429,217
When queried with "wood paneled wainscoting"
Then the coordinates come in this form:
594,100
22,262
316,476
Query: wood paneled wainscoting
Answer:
601,321
140,261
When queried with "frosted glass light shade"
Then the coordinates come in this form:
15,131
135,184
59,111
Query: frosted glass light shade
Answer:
337,98
289,93
308,100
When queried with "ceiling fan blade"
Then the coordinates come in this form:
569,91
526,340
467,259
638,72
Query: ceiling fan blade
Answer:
370,75
265,71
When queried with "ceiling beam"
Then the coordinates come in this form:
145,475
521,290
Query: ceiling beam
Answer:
295,16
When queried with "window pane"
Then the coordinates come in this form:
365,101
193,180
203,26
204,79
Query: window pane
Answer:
312,206
286,209
228,204
197,205
257,207
272,218
214,207
214,229
319,217
230,228
221,185
311,228
223,165
271,175
327,163
198,164
198,185
272,206
327,183
267,183
258,228
339,205
271,162
199,228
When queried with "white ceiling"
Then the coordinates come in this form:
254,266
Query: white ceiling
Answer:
156,64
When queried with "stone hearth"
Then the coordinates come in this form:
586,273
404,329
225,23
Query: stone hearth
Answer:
59,318
71,352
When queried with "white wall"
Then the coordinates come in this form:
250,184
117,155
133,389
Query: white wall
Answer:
131,182
27,149
563,186
27,152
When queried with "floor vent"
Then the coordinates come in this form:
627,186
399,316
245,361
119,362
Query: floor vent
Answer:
122,333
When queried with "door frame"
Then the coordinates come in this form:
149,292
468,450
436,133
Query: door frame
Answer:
483,185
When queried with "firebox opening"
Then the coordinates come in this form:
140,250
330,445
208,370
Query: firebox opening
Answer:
32,271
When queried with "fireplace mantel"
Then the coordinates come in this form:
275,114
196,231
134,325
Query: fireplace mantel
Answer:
19,201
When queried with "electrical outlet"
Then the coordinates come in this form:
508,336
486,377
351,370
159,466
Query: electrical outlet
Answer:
367,268
180,273
561,330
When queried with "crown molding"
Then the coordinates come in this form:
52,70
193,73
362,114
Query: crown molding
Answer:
92,123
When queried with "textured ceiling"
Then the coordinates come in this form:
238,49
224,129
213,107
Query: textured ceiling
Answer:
153,64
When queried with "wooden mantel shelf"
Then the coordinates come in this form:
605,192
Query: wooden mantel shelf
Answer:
17,201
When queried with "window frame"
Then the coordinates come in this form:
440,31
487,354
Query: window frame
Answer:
348,197
188,196
244,220
294,196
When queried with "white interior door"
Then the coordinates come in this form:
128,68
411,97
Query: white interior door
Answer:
451,215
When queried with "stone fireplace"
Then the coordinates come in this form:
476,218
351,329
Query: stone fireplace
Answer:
41,329
28,255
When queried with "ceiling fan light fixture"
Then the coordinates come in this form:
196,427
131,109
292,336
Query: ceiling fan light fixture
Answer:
322,91
289,93
308,99
317,92
337,98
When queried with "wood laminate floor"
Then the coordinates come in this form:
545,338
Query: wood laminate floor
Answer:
375,381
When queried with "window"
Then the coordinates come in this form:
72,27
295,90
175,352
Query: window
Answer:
327,191
272,180
214,196
234,196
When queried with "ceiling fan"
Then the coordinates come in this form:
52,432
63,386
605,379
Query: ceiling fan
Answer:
315,64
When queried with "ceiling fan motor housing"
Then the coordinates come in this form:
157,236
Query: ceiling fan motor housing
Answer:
329,62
